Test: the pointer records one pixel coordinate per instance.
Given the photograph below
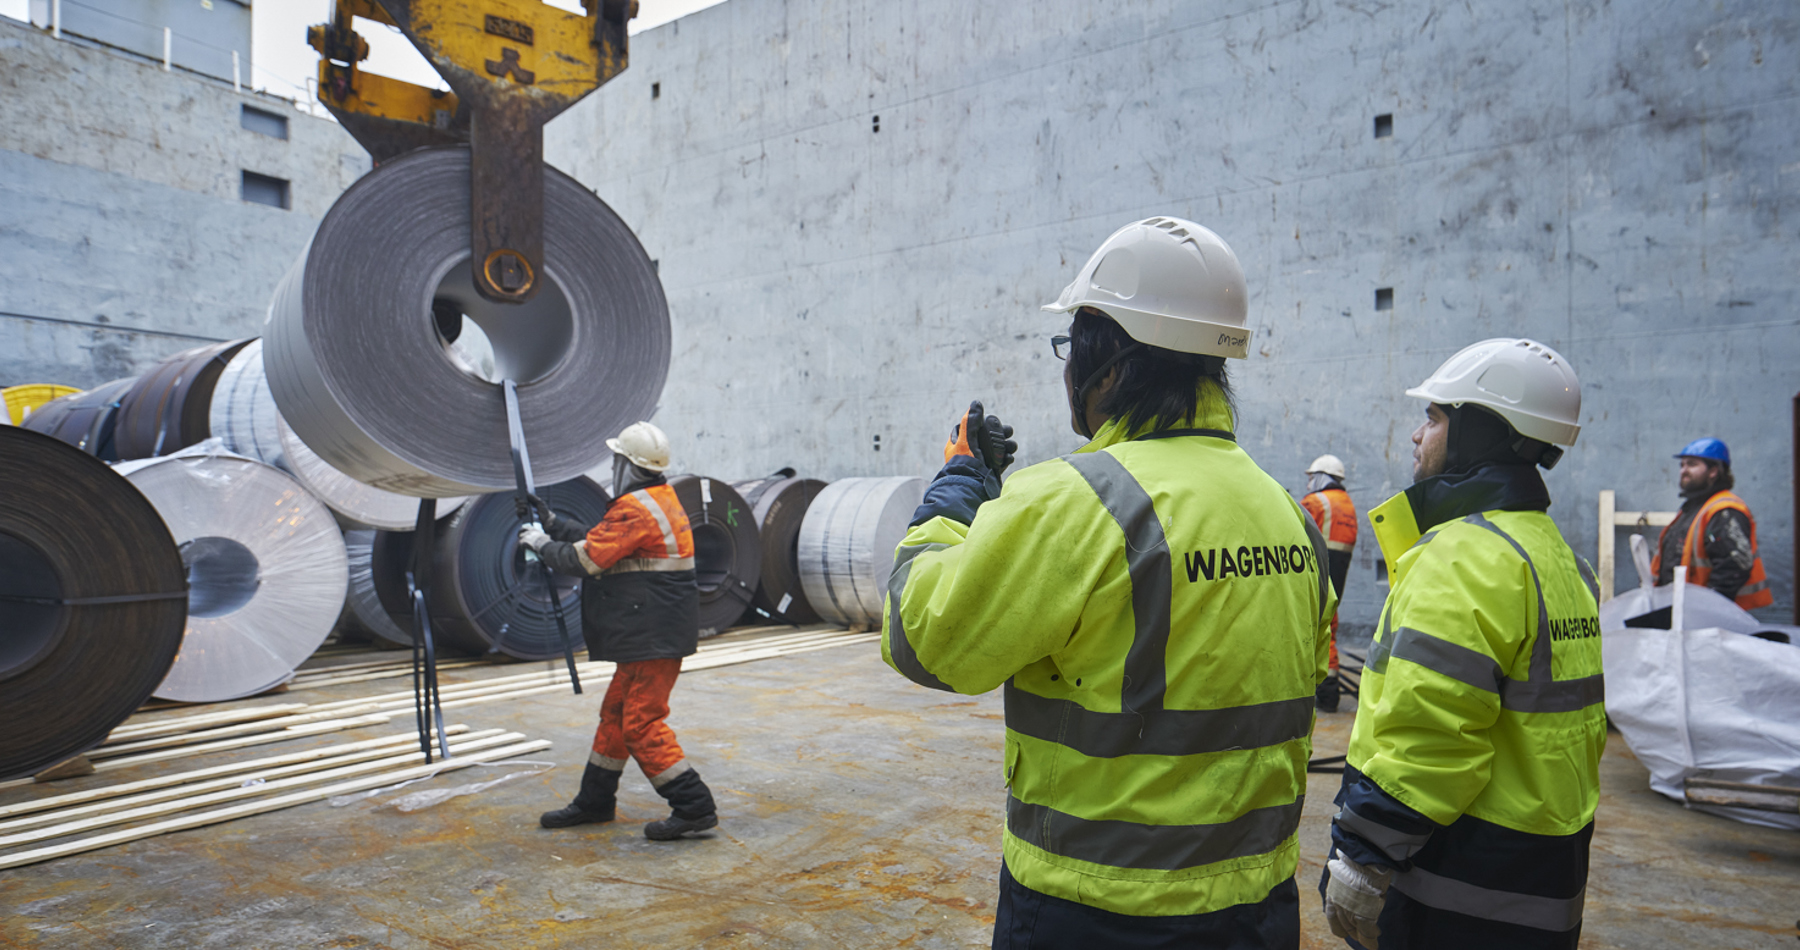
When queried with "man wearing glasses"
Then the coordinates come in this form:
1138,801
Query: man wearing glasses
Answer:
1157,609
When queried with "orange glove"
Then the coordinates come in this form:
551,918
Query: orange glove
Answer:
958,443
982,438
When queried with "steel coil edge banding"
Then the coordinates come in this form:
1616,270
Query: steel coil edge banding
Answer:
245,419
361,375
169,407
847,544
266,569
85,420
780,506
71,529
727,548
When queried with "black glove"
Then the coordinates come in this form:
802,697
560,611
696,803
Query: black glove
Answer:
997,445
532,508
982,437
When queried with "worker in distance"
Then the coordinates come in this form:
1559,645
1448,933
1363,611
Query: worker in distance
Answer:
1473,772
640,608
1335,514
1714,535
1156,608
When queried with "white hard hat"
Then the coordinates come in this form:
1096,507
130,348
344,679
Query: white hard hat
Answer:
1527,383
1168,283
1329,465
644,445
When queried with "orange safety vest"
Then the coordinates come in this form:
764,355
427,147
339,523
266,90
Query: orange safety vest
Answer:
1755,592
1335,514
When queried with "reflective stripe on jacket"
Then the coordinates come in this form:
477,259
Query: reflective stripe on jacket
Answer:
644,530
1755,592
1335,514
1156,610
642,600
1481,710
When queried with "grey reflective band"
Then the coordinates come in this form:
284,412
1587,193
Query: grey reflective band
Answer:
1147,561
639,565
1343,546
905,659
1108,735
604,762
669,774
1128,844
1395,844
670,541
1527,910
1466,666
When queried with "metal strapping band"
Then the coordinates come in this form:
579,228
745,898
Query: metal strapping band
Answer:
898,646
1128,844
1398,845
1147,561
92,601
1107,735
606,762
662,521
1528,910
640,565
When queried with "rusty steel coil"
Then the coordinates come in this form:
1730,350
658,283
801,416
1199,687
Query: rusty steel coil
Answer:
727,549
170,406
93,599
779,503
85,420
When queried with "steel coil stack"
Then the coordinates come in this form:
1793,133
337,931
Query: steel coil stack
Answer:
92,601
364,619
27,398
847,544
779,505
169,407
85,419
265,565
727,549
485,597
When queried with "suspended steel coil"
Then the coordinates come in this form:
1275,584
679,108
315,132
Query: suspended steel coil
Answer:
26,398
779,503
363,375
265,565
485,597
169,407
847,545
84,419
727,549
92,601
245,419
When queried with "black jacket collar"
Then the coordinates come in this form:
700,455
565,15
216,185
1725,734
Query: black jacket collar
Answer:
1489,487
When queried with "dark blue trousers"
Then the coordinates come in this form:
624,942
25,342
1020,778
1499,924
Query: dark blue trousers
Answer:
1029,920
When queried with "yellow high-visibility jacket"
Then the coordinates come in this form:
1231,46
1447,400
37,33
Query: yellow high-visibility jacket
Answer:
1157,608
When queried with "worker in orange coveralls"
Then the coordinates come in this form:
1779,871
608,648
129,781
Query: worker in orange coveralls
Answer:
1331,509
640,608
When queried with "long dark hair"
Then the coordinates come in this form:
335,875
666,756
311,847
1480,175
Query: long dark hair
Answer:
1155,387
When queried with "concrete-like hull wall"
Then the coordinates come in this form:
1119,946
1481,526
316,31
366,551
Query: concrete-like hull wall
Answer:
1609,178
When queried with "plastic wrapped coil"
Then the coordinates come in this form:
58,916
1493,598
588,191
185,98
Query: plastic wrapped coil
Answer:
779,504
847,545
245,419
727,549
92,601
363,616
26,398
363,375
169,408
84,419
484,596
265,566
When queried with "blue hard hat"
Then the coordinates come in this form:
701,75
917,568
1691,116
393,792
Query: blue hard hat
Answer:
1706,449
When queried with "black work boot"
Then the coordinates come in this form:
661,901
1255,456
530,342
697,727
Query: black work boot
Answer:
692,803
595,802
1326,696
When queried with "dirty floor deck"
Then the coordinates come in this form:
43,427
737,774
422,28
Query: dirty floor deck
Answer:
857,811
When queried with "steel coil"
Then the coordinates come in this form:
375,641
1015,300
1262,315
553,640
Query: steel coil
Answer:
170,406
92,601
847,545
265,565
24,399
727,549
363,375
363,615
86,419
245,419
484,596
779,504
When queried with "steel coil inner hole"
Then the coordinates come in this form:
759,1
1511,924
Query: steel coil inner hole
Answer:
495,341
222,576
715,551
31,613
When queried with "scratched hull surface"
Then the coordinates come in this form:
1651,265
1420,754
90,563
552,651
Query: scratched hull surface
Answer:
857,811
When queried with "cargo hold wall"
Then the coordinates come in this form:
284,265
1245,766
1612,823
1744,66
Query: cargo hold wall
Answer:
858,206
